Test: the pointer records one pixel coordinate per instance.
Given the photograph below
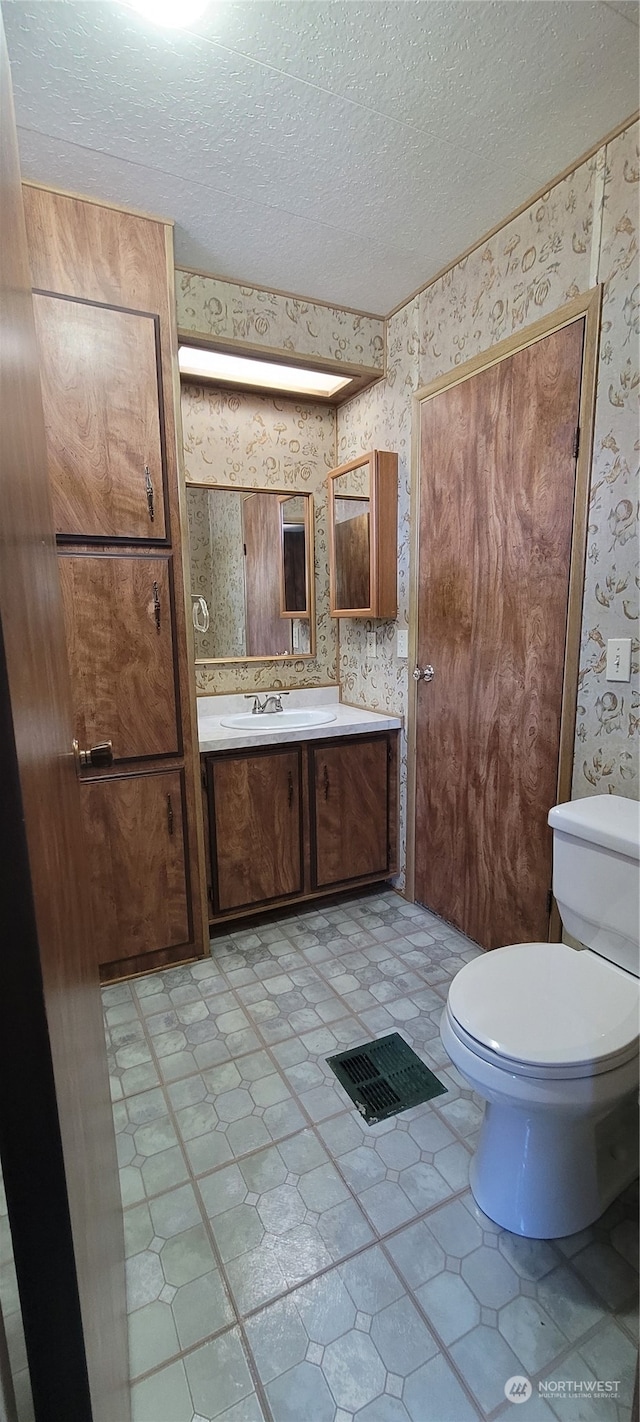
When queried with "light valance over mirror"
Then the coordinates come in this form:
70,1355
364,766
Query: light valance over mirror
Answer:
251,561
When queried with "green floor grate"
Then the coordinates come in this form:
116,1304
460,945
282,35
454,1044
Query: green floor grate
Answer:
384,1077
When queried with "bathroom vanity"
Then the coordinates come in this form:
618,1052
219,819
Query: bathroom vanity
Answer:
297,803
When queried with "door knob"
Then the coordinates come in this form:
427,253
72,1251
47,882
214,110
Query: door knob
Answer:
423,673
98,756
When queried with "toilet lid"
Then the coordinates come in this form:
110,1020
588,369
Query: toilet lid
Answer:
545,1004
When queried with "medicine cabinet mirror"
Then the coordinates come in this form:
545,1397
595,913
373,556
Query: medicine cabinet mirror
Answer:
251,562
363,520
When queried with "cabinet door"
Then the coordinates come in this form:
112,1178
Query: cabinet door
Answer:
100,389
136,861
256,824
350,809
118,619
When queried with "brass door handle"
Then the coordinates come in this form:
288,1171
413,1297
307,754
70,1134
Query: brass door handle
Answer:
148,484
96,756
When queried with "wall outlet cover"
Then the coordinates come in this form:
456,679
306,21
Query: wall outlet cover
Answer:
403,642
372,646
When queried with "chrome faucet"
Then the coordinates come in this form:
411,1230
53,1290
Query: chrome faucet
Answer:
270,705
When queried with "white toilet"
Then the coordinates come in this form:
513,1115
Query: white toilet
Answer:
548,1035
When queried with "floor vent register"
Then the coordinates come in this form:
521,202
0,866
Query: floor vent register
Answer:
384,1077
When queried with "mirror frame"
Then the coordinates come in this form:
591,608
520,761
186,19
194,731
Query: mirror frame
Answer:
310,615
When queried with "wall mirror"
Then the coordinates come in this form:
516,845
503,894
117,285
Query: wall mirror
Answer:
251,562
363,498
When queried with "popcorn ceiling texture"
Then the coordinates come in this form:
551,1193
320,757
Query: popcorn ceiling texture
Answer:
583,231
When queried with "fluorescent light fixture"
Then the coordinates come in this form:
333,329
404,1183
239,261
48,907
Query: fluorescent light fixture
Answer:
240,370
173,14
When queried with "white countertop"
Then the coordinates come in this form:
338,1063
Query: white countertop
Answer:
349,720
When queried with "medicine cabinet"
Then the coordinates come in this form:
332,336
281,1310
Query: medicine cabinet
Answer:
363,533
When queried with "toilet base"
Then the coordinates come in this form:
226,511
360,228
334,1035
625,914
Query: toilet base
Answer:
546,1174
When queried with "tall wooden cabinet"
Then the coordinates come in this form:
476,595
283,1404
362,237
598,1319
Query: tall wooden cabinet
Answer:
103,297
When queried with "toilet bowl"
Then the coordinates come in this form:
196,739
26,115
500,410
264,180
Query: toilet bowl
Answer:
547,1034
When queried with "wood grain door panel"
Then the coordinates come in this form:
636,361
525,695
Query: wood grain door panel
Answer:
102,402
118,615
350,809
496,510
256,827
136,863
58,1147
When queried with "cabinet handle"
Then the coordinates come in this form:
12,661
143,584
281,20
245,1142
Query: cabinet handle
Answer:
325,781
290,783
148,484
156,606
169,815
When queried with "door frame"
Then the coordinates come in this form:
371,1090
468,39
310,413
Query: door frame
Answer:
588,306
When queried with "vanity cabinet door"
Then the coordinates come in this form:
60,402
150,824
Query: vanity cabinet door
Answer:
118,618
102,400
136,857
350,801
255,826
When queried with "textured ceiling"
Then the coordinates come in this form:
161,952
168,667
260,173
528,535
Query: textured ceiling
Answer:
340,149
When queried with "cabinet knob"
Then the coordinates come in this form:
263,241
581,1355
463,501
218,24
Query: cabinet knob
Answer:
97,756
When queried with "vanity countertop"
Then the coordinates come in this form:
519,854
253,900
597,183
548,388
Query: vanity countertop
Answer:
263,730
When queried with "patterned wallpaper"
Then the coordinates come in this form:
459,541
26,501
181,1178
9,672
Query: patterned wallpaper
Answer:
264,318
583,231
261,442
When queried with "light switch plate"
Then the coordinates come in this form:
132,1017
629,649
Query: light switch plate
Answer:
619,659
403,642
372,646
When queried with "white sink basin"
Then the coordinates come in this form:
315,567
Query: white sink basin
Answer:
277,720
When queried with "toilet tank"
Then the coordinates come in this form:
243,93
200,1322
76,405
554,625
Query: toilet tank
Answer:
596,875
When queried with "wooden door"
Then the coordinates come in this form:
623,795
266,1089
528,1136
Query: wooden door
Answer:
256,827
141,899
102,402
57,1146
118,615
350,809
498,458
268,634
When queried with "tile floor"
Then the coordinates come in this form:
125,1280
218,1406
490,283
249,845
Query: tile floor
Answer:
287,1262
